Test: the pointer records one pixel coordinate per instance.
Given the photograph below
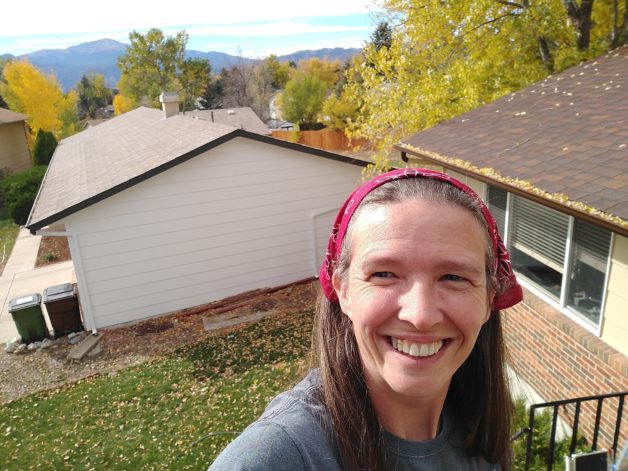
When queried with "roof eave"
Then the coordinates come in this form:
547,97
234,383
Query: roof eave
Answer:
559,202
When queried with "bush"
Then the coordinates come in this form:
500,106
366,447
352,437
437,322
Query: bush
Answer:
44,147
18,192
540,441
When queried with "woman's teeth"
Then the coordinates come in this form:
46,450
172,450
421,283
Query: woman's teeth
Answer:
417,349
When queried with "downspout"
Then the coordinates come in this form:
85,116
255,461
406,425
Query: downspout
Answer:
86,302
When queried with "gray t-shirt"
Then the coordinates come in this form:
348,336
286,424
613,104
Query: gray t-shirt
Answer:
291,435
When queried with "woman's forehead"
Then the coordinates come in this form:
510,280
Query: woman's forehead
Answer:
419,222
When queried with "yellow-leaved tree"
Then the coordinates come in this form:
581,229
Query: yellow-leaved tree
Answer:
39,96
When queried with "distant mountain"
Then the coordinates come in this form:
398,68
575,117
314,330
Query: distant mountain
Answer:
336,53
101,56
70,64
218,60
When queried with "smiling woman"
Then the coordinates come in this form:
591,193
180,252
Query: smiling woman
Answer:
407,340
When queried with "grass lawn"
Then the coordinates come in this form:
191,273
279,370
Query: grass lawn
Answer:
8,234
154,416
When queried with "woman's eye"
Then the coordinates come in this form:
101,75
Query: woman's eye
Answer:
450,277
382,274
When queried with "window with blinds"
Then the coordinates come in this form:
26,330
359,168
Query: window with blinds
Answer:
537,244
538,237
539,232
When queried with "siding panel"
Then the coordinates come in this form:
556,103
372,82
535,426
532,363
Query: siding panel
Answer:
615,329
242,216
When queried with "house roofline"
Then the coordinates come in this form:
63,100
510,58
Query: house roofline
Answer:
592,218
34,227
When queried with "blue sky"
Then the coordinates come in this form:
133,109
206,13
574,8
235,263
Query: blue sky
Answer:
254,28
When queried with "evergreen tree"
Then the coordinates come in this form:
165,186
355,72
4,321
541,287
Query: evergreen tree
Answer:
382,36
44,147
213,96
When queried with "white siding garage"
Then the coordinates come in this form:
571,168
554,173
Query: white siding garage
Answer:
243,215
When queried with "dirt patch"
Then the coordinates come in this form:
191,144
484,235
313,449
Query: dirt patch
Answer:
24,373
52,250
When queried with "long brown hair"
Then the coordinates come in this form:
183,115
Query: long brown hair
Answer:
478,396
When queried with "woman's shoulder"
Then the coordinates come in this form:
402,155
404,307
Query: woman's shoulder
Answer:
290,434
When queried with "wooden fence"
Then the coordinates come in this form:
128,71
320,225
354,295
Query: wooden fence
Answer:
324,139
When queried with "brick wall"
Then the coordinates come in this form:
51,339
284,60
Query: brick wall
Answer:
560,359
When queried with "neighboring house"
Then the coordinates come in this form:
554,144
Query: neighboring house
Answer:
552,161
15,154
241,118
165,214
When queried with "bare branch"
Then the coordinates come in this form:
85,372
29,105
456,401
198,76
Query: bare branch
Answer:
493,20
511,4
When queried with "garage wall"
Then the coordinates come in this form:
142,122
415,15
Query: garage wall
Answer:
242,216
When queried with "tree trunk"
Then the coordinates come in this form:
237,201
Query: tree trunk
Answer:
581,18
546,54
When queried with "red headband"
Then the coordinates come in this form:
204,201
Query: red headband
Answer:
508,293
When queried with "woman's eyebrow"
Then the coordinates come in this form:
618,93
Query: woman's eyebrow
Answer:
462,266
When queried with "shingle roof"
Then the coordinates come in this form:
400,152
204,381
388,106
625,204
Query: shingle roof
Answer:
106,159
8,116
241,118
567,134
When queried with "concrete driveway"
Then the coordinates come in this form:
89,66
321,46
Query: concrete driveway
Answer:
20,278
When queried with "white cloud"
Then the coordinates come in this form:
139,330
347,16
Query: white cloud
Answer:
282,28
78,16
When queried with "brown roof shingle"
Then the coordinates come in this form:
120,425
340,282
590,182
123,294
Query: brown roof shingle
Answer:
567,134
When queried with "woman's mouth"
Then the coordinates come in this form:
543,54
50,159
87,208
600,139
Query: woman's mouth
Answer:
416,349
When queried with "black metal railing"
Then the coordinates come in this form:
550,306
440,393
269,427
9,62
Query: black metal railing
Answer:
529,430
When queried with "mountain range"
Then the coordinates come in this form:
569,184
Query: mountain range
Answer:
101,56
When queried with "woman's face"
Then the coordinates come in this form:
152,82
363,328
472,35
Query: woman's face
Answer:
416,292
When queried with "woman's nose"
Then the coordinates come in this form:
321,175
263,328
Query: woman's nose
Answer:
419,306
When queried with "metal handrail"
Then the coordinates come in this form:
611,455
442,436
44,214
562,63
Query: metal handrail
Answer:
529,430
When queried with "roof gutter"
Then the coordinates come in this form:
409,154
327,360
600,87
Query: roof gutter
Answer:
417,156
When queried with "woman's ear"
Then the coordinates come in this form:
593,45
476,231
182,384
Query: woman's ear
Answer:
341,292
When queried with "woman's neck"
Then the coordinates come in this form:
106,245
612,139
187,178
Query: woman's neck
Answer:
414,419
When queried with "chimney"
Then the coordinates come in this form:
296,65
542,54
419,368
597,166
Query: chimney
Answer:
169,103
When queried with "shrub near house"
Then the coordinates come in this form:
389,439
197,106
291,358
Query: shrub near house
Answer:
18,192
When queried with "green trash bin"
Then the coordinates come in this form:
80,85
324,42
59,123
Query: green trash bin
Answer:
28,318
